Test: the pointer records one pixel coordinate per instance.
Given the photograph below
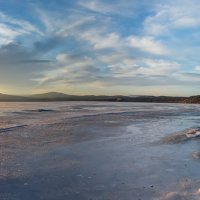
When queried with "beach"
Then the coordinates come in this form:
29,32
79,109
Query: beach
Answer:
99,151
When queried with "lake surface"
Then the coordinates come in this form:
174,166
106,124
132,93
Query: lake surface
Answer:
99,151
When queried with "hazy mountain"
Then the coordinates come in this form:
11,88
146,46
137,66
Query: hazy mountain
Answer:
6,97
50,95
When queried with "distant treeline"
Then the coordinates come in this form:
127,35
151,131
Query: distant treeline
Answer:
53,96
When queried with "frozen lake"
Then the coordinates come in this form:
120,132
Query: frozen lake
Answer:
99,151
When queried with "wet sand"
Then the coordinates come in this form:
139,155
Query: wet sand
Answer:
99,151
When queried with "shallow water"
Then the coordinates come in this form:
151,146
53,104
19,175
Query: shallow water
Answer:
99,150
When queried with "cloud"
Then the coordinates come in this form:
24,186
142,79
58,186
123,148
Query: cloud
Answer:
76,25
119,64
109,71
7,35
147,44
23,25
71,69
158,67
172,15
99,40
58,25
11,28
121,8
98,6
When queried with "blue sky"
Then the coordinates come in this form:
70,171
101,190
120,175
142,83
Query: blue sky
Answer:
100,47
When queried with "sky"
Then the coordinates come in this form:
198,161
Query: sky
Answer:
128,47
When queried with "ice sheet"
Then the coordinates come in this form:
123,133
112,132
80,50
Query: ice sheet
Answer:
99,150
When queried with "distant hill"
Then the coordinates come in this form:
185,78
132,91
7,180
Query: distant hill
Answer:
6,97
50,95
56,96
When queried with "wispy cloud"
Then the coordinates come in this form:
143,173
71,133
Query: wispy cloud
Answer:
117,7
172,15
11,28
159,67
72,69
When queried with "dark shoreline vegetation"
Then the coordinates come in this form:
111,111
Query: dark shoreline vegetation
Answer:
55,96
